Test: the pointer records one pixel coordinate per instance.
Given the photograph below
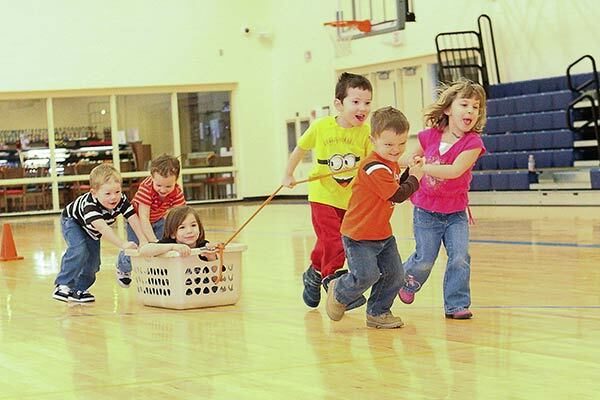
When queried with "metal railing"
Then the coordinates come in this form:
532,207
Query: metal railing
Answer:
588,91
463,54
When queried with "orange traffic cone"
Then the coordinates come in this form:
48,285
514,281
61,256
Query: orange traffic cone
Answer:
8,251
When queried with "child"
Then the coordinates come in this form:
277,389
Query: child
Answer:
371,249
338,143
183,232
156,195
84,222
450,148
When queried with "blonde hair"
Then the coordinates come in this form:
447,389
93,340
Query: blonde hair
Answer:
435,116
165,165
388,118
176,216
102,174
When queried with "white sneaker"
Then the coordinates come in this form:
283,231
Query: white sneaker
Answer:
123,278
61,293
82,297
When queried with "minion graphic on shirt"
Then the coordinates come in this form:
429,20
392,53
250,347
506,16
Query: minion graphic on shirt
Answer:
339,162
335,149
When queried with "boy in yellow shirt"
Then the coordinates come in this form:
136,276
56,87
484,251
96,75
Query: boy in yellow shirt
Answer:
338,143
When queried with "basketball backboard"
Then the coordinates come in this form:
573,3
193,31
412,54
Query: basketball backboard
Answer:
384,15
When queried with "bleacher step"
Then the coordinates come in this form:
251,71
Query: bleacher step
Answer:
586,163
572,176
585,143
560,186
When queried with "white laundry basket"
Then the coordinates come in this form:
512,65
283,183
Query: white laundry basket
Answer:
171,281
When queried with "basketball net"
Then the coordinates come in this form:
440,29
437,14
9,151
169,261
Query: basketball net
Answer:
341,39
341,33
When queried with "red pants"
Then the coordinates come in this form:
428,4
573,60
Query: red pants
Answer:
328,255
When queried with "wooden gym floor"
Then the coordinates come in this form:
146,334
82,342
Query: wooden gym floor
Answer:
535,334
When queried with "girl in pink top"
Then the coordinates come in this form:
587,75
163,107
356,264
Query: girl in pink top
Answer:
450,147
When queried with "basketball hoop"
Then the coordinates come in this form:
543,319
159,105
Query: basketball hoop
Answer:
363,26
341,36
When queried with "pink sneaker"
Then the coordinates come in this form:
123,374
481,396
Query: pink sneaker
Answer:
406,296
462,314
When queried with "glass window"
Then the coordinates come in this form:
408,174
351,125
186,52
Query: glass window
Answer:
82,133
205,127
23,126
211,186
24,153
145,123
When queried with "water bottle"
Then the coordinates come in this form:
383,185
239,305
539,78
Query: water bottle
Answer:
531,163
533,178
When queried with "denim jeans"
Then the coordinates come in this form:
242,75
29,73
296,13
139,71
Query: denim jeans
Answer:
375,264
123,261
81,260
431,229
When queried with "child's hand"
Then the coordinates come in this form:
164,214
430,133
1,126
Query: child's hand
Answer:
213,246
288,181
129,245
417,170
417,160
183,249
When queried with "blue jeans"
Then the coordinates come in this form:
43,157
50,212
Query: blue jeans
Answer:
371,263
123,261
81,260
431,230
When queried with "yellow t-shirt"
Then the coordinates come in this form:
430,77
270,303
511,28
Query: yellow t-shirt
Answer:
334,149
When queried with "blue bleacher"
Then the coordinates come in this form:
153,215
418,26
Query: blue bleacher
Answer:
518,180
595,178
523,119
481,182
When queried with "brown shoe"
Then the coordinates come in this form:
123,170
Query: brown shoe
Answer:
335,309
384,321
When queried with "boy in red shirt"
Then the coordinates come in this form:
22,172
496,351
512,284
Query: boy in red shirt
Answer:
156,195
371,250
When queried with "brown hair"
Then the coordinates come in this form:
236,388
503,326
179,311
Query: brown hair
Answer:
176,216
388,118
464,89
348,81
102,174
165,165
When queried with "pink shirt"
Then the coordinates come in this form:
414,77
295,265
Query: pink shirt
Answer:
445,195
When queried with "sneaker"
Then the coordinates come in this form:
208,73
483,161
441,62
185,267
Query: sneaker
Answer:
335,309
123,278
407,292
384,321
61,293
461,314
356,303
81,297
333,276
312,287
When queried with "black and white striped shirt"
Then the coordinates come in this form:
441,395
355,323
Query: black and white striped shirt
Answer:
86,209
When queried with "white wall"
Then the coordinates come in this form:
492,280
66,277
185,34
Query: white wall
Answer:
71,44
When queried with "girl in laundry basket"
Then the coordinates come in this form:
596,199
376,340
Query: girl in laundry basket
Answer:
183,232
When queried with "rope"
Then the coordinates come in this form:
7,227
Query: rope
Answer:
221,247
268,200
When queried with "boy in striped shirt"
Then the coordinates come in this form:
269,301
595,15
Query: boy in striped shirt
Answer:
84,221
156,195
